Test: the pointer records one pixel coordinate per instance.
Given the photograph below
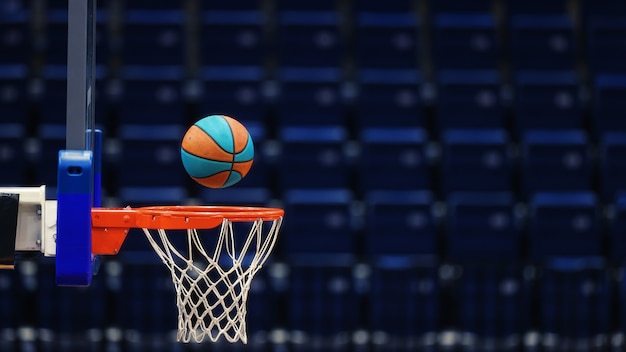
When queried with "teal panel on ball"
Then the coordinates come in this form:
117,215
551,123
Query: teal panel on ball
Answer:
233,178
218,128
199,167
247,153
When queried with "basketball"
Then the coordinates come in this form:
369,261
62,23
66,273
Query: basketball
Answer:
217,151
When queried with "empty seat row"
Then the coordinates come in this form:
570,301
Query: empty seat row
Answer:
469,160
380,159
556,6
384,98
538,40
391,303
478,226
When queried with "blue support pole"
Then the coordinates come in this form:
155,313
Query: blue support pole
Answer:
78,167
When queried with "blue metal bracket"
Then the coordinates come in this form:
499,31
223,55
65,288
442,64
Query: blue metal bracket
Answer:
74,201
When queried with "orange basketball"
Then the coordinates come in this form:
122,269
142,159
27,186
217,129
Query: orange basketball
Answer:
217,151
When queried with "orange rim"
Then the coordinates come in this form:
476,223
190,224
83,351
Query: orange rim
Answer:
232,213
111,225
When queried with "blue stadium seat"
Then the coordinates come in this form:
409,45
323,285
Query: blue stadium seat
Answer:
234,5
493,303
309,96
320,5
16,42
233,38
234,91
14,94
482,227
313,157
68,311
153,4
607,103
244,196
547,100
146,300
150,151
12,154
617,230
52,139
475,160
591,8
461,7
320,222
54,95
10,302
400,223
322,304
151,95
149,169
556,160
612,169
542,7
604,44
145,196
153,38
622,302
310,38
543,42
55,50
375,6
393,158
564,224
14,6
584,284
405,305
387,41
49,317
603,22
465,41
103,37
469,99
389,98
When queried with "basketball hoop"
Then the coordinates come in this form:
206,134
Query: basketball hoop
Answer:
211,285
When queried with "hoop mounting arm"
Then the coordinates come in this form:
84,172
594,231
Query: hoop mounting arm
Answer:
109,229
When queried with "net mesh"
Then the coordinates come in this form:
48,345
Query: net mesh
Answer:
212,285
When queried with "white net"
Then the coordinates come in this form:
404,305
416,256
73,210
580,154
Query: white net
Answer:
212,285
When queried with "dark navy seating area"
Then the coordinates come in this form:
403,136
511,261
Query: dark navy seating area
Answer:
453,171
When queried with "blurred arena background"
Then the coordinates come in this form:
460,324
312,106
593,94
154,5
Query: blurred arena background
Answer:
451,170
